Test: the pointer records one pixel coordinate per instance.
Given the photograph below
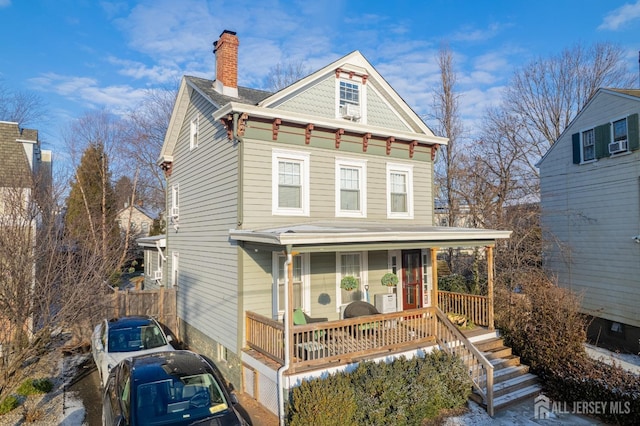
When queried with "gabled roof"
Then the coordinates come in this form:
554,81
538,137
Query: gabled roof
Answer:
630,94
259,103
15,170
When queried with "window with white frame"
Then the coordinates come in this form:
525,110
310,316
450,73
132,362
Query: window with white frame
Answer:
350,97
175,201
351,263
175,271
620,130
290,183
299,284
351,188
194,133
399,191
588,145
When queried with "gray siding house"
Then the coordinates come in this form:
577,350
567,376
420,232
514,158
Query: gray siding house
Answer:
590,196
273,198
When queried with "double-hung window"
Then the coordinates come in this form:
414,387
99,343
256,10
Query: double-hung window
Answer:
399,191
351,188
194,130
290,183
620,141
588,145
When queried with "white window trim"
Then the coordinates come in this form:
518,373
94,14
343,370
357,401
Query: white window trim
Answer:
364,275
401,168
175,271
612,135
362,89
582,159
362,166
306,284
194,133
303,158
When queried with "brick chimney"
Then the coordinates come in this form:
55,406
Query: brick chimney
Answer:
226,51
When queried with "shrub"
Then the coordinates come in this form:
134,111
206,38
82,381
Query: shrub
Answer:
321,401
454,283
389,279
348,283
405,391
35,386
9,403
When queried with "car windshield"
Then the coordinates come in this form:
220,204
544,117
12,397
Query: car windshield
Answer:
136,338
175,400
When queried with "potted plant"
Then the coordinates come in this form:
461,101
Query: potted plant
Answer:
348,283
389,280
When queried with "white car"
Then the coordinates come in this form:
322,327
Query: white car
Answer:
119,338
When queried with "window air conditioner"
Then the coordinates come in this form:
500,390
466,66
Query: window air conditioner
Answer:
351,111
618,146
175,211
157,275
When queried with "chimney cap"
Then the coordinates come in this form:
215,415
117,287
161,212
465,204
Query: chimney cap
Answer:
231,33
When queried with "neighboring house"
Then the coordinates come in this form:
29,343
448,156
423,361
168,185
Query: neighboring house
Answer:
154,258
25,182
274,198
590,196
138,218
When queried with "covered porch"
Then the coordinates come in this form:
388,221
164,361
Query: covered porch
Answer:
419,320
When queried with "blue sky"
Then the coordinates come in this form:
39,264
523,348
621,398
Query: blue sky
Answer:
85,54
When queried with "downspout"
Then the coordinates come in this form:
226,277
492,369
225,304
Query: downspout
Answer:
240,139
287,327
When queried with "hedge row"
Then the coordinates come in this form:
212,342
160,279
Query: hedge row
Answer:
402,392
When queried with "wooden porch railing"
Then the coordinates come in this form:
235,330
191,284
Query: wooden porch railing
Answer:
472,306
451,340
346,340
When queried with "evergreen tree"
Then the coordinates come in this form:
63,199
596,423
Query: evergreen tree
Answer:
92,205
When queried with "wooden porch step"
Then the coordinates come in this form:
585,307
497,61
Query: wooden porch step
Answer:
510,361
488,344
514,384
513,398
509,373
498,352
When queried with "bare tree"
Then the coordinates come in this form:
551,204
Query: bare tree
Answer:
447,114
21,107
141,142
284,74
549,92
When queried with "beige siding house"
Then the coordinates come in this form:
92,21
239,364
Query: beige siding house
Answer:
272,199
590,188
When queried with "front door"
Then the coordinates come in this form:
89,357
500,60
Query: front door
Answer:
411,279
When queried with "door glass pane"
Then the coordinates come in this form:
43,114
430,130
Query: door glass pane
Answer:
297,281
350,265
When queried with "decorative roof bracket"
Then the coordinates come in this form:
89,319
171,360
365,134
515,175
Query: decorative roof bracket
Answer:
307,133
275,128
412,148
339,133
365,141
390,140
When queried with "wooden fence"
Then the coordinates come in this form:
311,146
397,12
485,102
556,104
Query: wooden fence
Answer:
158,303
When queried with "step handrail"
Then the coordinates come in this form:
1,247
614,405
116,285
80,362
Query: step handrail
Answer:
453,341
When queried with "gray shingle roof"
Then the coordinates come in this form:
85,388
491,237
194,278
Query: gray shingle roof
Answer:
245,94
15,170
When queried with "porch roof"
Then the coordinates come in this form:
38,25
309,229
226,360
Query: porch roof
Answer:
323,236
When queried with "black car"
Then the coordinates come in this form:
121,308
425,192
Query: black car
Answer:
168,388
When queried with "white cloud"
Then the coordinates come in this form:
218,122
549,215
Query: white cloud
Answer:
118,99
5,3
618,18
